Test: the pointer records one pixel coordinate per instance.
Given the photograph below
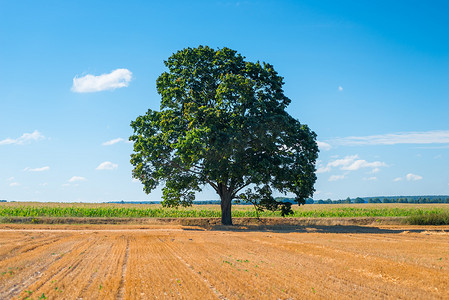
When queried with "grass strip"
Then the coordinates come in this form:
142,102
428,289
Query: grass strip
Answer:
432,218
416,215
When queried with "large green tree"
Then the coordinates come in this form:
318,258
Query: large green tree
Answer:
222,122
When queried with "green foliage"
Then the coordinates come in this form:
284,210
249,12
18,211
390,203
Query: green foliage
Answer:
262,198
102,212
429,218
375,200
222,122
415,213
358,200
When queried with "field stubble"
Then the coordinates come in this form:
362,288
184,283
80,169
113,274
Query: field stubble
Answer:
173,261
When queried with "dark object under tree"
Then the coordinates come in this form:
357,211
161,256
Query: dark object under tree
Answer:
222,122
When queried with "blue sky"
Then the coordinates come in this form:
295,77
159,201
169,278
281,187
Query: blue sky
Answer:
371,78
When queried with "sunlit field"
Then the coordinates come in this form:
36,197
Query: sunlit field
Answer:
112,210
170,260
179,262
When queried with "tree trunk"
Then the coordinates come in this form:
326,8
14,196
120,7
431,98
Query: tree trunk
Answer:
226,202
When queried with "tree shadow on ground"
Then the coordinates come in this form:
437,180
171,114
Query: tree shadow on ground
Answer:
342,229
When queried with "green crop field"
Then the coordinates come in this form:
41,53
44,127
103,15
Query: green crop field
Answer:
104,210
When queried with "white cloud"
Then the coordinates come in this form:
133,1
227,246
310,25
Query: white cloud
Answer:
375,170
107,165
14,184
348,164
426,137
90,83
340,88
112,142
10,179
435,147
323,170
46,168
323,145
26,138
336,177
361,163
352,163
409,177
77,178
343,161
413,177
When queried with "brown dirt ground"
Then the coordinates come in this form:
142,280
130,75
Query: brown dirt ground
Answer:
240,262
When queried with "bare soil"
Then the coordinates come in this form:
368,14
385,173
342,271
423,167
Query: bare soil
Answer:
248,261
209,223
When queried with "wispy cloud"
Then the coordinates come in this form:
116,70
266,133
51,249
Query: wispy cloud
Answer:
77,178
370,178
361,163
46,168
323,169
14,184
375,170
107,165
336,177
323,145
425,137
26,138
340,88
412,177
409,177
351,163
90,83
114,141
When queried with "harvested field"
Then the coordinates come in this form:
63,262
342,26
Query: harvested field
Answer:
182,262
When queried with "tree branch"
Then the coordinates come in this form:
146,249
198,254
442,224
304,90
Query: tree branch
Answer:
234,193
172,163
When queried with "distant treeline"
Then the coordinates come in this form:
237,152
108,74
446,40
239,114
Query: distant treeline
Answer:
392,199
398,199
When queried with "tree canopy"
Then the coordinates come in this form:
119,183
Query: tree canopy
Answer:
222,122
